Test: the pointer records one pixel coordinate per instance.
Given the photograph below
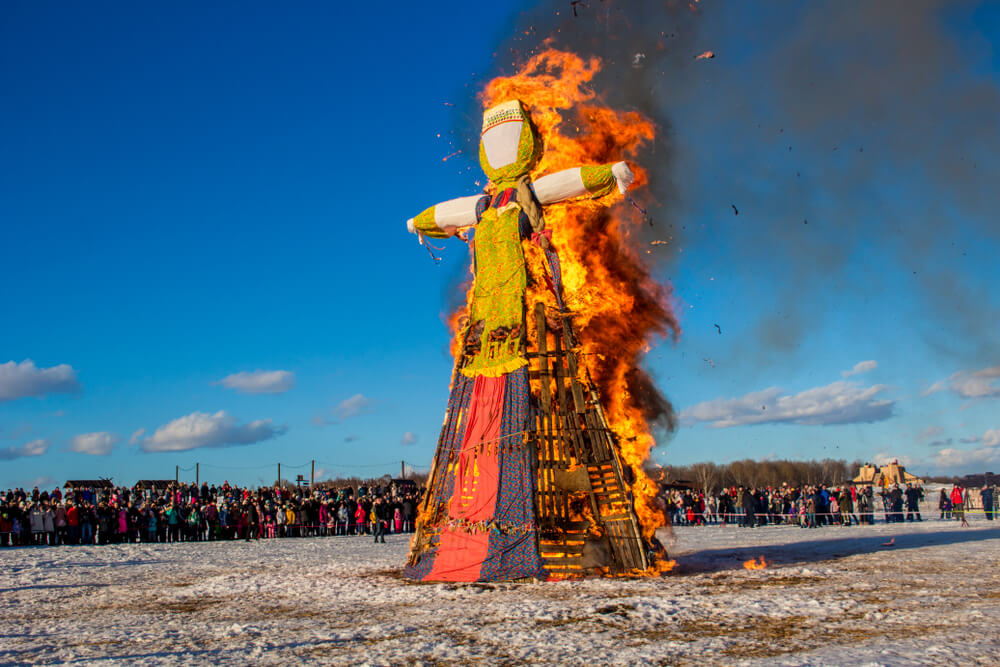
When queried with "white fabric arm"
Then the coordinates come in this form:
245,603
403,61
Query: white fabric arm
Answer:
561,185
623,175
459,212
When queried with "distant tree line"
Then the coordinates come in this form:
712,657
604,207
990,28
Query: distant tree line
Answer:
712,477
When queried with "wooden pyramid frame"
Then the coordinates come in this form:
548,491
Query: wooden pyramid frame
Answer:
583,506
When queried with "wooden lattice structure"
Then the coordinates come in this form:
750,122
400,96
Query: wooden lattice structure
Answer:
583,507
584,510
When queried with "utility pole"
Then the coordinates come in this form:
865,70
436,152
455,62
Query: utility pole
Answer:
177,475
197,474
402,469
279,475
312,475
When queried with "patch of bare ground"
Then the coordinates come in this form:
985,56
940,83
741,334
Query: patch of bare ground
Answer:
720,585
773,637
560,622
187,606
394,573
293,612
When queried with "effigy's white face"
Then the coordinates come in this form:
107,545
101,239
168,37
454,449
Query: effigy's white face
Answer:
500,143
502,126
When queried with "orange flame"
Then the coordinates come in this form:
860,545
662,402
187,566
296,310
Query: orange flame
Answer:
705,56
616,305
755,564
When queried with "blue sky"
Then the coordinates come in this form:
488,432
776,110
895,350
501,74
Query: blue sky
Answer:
192,193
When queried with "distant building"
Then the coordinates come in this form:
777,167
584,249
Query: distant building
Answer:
887,475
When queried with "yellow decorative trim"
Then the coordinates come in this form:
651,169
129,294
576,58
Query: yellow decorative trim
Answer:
496,370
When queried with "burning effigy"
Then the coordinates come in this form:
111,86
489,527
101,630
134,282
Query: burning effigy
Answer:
538,472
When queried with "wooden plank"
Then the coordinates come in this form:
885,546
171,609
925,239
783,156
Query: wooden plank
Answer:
559,373
543,364
577,391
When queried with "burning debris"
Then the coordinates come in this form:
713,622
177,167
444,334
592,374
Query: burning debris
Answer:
758,564
707,55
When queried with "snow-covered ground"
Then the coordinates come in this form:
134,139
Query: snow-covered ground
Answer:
830,596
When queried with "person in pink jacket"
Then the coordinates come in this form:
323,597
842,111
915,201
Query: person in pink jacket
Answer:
359,519
122,525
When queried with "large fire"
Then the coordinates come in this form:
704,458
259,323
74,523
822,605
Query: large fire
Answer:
616,306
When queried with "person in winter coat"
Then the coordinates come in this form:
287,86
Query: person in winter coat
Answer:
72,523
343,518
986,494
212,521
847,507
122,525
359,519
49,521
280,519
60,523
173,518
749,504
36,519
151,525
913,498
957,503
380,518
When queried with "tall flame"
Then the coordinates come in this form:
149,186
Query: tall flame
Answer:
617,307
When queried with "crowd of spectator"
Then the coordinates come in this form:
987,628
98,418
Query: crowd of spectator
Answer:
191,513
814,506
188,512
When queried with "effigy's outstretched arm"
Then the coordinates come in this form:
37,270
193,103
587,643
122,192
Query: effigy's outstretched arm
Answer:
448,218
594,181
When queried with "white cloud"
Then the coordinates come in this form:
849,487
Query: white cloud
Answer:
95,444
408,438
259,382
837,403
134,438
972,460
952,459
861,367
352,407
970,384
200,429
20,380
884,458
33,448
